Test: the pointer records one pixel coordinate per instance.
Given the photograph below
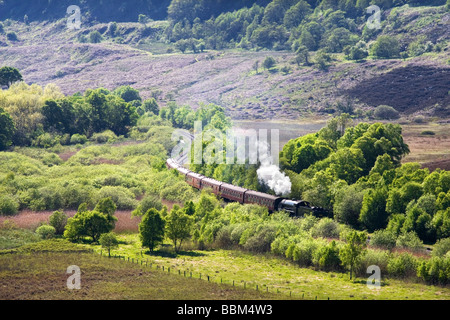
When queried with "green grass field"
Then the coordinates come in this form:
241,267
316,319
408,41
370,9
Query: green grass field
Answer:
38,272
272,274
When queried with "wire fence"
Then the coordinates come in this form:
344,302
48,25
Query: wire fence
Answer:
264,288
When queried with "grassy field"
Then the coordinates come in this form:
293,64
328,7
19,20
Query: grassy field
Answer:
272,274
38,271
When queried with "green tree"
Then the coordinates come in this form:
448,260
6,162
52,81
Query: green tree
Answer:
373,212
322,60
95,37
302,55
178,226
127,93
386,47
6,129
269,63
152,229
9,75
352,252
151,105
58,220
109,241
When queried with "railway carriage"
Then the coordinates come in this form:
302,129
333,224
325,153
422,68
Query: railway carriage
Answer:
233,193
194,179
262,199
212,184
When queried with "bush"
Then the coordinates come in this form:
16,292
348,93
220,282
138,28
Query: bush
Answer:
386,47
435,271
8,205
441,248
149,202
403,265
303,252
223,238
409,240
262,240
58,221
327,257
383,239
122,197
379,258
326,228
12,36
46,231
428,133
104,137
78,139
386,113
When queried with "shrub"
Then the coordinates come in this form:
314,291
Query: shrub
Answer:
95,37
403,265
261,241
409,240
428,133
441,248
223,238
386,113
104,137
327,257
78,139
383,239
326,228
58,221
8,205
51,159
303,252
46,231
435,271
149,202
386,47
122,197
377,257
12,36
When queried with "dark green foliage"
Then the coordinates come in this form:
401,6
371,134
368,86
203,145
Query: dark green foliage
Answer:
127,93
386,113
95,37
6,129
386,47
8,205
383,239
58,220
9,75
91,223
373,212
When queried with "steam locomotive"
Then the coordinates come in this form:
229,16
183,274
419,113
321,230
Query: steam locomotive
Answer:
295,208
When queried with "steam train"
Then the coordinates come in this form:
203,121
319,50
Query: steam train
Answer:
230,192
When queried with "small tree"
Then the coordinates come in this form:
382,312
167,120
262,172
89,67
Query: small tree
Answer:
151,229
302,55
178,226
9,75
386,47
95,37
143,19
58,220
386,113
109,242
269,63
323,60
353,251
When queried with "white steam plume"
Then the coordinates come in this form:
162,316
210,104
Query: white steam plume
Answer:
270,174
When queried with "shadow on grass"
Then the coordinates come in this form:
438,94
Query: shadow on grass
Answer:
170,253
